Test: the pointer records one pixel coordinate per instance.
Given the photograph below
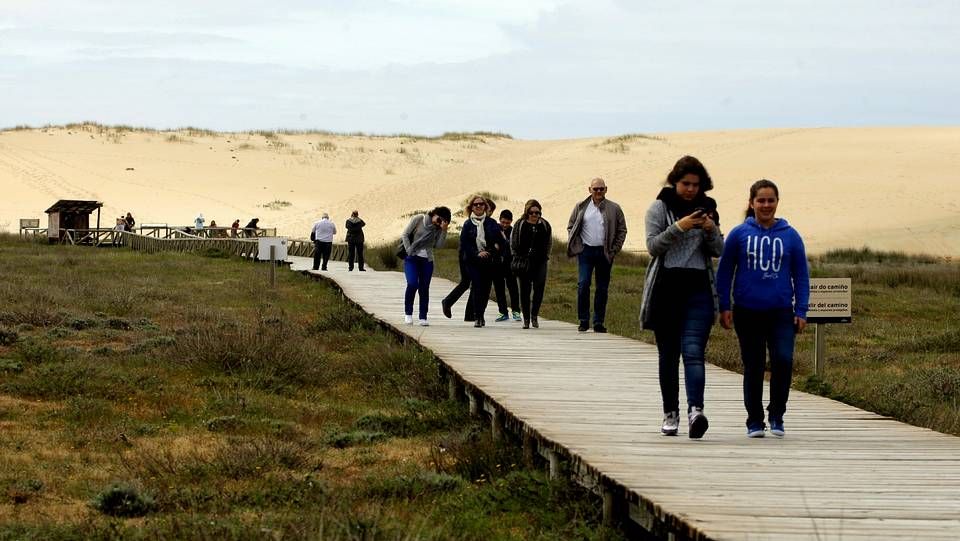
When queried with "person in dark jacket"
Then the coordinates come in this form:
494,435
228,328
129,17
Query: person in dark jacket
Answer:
766,263
354,228
532,239
129,222
252,227
464,284
504,280
481,247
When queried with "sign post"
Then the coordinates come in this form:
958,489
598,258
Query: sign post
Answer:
830,302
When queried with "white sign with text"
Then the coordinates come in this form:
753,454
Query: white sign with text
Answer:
830,300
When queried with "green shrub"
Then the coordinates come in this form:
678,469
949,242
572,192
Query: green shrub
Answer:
10,365
8,337
33,351
414,486
341,440
123,500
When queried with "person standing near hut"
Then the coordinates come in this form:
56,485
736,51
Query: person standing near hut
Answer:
322,235
354,227
129,222
198,223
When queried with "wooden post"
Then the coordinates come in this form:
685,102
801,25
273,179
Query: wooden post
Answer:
608,506
452,386
820,347
273,266
474,407
554,461
529,449
496,425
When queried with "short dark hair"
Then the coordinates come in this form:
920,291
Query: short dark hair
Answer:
442,212
505,213
688,165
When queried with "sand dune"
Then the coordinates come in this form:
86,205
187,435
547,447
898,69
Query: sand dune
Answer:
886,188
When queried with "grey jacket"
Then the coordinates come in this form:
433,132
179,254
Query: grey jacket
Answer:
672,247
614,221
422,234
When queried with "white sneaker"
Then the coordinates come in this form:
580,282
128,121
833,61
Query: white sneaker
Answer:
408,320
697,423
671,423
423,323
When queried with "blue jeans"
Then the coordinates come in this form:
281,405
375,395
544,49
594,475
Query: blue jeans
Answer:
760,331
418,271
592,259
685,335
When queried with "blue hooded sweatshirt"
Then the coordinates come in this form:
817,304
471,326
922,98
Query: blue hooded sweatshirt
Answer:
767,267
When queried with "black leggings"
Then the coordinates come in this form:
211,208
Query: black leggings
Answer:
535,279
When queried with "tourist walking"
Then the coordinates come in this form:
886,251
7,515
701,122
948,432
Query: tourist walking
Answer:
464,284
596,232
235,228
481,247
129,222
322,235
765,262
504,281
252,227
198,223
683,237
354,228
531,243
424,233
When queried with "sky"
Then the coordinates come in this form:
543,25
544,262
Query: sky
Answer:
536,69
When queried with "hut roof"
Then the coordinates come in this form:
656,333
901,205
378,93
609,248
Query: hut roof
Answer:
74,206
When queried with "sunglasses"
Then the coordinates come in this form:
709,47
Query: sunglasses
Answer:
481,204
534,213
599,190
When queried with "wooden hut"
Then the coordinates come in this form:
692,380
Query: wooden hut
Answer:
70,214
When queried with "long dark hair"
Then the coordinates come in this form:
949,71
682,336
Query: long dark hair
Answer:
756,187
688,165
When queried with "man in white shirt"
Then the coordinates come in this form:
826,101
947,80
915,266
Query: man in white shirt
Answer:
596,232
322,235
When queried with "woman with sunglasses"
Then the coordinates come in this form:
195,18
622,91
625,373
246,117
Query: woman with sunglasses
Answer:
683,237
481,248
532,240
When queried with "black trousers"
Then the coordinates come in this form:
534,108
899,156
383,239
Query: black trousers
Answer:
532,281
503,276
458,292
355,250
481,278
321,254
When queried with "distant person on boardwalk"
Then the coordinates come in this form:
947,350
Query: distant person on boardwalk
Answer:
354,228
119,228
683,237
464,284
198,223
482,246
252,227
322,235
235,228
504,280
424,233
531,243
129,222
213,229
765,261
596,232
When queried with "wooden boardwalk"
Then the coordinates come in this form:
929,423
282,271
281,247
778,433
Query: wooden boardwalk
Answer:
593,401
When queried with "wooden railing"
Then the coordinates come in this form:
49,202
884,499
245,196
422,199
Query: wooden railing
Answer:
166,231
246,248
93,237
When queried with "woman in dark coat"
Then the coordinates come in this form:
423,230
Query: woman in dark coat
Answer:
532,239
355,240
481,248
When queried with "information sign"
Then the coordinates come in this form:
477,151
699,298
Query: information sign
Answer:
830,300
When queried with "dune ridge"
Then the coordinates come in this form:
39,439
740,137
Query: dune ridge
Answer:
884,188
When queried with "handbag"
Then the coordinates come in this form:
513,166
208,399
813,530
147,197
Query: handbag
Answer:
520,264
401,251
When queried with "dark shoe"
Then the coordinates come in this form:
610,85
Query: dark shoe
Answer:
599,328
583,326
526,324
363,270
446,308
535,323
483,323
478,324
323,268
697,423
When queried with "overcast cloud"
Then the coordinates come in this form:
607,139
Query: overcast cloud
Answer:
535,69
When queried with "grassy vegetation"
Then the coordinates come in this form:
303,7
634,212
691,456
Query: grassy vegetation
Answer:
900,356
174,396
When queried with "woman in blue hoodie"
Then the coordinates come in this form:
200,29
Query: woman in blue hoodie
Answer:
765,261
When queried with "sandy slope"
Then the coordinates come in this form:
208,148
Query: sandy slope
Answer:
887,188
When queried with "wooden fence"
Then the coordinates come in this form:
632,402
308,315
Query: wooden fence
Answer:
247,248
